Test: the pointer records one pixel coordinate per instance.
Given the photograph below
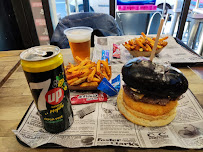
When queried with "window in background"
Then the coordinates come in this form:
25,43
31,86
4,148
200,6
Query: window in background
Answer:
98,6
172,17
61,8
191,28
193,4
139,19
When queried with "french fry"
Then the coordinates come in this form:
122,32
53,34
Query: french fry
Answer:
159,46
74,72
72,80
150,40
105,74
73,68
98,67
86,72
106,66
164,43
152,45
91,76
149,48
79,81
84,62
96,79
69,66
73,75
142,41
132,47
143,35
131,42
164,38
97,76
88,66
89,84
141,49
78,59
137,47
128,47
107,61
139,43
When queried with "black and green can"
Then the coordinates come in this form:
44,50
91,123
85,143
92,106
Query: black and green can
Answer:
44,71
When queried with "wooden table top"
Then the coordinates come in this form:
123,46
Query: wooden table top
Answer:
8,63
15,97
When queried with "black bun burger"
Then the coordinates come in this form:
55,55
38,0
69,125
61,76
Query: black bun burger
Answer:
150,93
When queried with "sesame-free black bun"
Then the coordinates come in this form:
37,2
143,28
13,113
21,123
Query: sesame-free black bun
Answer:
154,79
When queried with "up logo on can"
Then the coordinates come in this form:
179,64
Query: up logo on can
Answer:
54,96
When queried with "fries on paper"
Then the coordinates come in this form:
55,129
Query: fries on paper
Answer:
87,75
143,45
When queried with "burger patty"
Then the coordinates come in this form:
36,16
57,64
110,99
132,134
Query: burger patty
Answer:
144,98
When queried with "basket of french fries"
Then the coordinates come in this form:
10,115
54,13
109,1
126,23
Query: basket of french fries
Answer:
87,75
143,45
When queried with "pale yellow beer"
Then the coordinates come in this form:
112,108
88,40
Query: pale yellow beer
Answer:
81,49
80,41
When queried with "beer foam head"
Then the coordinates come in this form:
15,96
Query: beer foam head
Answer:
78,34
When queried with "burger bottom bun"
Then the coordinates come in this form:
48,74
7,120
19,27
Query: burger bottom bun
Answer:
141,118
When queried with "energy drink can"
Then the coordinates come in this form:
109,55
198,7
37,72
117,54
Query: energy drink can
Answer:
44,71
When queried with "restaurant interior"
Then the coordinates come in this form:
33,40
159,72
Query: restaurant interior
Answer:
136,86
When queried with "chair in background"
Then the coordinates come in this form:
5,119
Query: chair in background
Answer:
102,24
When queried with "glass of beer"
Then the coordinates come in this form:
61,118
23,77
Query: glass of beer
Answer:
80,41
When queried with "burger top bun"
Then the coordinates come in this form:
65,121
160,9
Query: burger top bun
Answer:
154,79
